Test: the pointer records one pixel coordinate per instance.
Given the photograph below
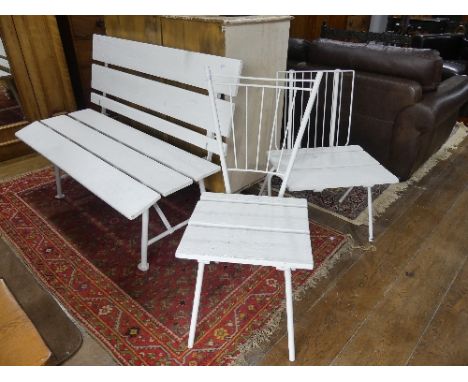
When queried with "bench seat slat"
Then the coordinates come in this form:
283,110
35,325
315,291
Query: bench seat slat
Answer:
124,194
146,170
159,124
180,160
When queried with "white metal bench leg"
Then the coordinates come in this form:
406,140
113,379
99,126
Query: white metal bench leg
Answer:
196,304
169,228
369,208
144,266
289,314
58,183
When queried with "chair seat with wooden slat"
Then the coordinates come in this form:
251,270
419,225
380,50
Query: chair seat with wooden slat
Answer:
325,158
125,167
332,167
252,230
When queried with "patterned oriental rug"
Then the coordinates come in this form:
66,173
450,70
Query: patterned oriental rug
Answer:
353,208
86,255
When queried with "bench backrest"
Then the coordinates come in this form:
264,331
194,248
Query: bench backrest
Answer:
148,83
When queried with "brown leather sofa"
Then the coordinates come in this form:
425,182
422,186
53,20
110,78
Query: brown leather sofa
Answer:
402,110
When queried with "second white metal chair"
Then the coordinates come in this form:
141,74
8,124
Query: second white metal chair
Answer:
325,158
251,229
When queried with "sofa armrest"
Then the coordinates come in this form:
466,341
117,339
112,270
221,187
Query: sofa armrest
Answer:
414,125
435,106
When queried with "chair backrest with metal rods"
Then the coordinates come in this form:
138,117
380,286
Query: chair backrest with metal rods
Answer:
261,104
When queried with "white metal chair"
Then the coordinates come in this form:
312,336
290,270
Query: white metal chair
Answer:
326,159
251,229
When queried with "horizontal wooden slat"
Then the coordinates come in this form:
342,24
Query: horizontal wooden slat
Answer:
255,199
182,161
184,105
169,63
4,63
331,167
242,246
263,217
177,131
2,49
124,194
317,179
140,167
4,74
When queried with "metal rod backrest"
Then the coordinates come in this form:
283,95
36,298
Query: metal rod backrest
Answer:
330,120
258,106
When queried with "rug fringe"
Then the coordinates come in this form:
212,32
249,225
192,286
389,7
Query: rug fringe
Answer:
393,192
261,336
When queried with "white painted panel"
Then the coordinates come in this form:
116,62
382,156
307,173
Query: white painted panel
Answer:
331,167
317,179
184,105
322,157
182,161
124,194
2,49
156,123
4,74
140,167
264,217
277,249
267,200
4,63
169,63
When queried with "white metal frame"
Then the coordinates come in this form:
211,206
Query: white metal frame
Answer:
332,115
286,266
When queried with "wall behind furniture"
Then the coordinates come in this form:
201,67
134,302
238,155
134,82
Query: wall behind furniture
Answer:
308,26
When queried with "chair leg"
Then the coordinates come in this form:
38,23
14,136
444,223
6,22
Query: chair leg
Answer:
290,315
58,183
269,176
144,266
201,184
196,304
369,208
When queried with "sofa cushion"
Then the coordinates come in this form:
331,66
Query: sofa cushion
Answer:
421,65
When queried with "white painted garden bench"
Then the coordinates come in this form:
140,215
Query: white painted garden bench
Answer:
126,168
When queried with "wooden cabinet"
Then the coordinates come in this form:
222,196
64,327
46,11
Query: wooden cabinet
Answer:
309,26
261,42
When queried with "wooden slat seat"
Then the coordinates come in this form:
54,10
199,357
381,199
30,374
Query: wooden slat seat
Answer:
151,173
264,233
180,160
120,191
333,167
